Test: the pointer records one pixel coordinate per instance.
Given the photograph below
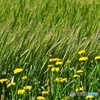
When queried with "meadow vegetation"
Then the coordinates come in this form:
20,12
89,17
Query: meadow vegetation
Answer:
49,48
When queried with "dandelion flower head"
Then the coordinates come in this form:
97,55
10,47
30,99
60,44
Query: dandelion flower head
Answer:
83,58
11,84
21,91
40,98
97,58
17,70
81,52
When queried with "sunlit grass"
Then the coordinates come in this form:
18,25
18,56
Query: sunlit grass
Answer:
49,48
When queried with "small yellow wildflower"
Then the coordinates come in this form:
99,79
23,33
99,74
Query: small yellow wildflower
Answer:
28,87
3,80
80,71
79,89
54,59
68,61
18,70
81,52
60,80
49,66
40,98
24,78
57,79
89,97
59,63
83,58
97,58
63,80
76,75
21,91
55,69
11,84
45,93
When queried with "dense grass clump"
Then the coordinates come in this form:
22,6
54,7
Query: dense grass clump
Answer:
49,48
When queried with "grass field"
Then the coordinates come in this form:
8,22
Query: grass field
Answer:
49,48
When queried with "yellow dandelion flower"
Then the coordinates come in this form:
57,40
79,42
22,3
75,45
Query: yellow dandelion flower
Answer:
60,80
97,58
76,76
89,97
80,71
81,52
63,80
24,78
11,84
21,91
17,70
79,89
59,63
54,59
45,92
83,58
49,66
68,61
40,98
3,80
57,79
28,87
55,69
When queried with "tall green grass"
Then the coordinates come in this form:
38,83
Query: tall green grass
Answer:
31,32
